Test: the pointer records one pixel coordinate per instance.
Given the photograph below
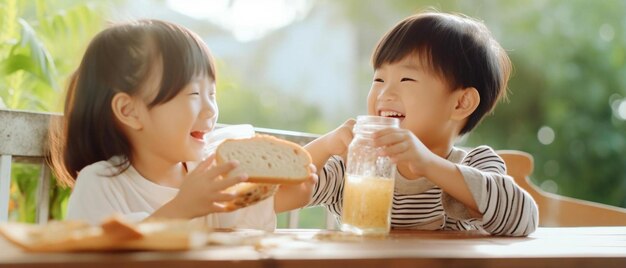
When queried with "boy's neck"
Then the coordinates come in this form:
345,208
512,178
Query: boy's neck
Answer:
443,151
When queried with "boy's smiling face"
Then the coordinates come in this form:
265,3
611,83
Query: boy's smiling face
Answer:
414,93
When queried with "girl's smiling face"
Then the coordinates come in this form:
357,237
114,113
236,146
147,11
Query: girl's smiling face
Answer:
176,128
409,90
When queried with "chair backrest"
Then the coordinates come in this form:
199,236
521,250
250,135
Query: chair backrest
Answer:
23,139
556,210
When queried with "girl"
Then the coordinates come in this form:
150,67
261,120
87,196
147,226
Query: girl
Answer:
136,112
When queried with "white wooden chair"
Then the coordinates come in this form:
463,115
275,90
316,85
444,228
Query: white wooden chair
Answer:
23,139
557,210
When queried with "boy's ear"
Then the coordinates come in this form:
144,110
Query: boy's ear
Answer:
126,110
467,100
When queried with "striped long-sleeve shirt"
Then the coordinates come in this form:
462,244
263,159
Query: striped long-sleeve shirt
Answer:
506,208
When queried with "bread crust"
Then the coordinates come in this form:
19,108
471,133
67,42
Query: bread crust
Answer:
273,180
249,194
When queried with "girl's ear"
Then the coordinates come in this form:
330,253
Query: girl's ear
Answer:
467,100
126,111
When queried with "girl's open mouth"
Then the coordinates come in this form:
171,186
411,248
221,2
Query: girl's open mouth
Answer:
199,135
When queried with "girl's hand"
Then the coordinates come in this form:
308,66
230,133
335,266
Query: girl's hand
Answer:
202,189
404,148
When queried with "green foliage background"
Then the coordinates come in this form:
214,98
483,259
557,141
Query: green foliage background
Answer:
40,44
570,74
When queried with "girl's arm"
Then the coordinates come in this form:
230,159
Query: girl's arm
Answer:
96,195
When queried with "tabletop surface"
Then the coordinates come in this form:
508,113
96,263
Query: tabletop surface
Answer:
563,247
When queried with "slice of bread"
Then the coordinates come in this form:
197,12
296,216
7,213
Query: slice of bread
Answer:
115,233
267,159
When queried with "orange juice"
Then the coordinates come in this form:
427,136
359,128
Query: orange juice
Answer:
367,205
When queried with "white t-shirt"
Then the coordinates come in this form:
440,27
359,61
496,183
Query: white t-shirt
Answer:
98,195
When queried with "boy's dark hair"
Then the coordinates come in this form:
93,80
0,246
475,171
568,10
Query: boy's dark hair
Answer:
459,49
120,59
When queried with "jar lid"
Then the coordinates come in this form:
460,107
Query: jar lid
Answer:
368,124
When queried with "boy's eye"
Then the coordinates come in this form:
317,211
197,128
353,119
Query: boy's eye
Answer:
379,80
404,79
194,93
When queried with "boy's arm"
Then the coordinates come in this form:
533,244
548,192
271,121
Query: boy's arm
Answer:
290,197
449,178
505,208
324,191
332,143
406,150
480,184
321,149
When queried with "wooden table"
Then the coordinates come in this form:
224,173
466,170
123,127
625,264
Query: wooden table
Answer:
547,247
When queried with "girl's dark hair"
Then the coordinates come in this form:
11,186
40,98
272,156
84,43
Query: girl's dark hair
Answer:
119,59
457,48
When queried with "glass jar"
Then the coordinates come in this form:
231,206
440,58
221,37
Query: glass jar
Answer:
369,180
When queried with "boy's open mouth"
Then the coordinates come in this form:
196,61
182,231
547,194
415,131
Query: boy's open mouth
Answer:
393,114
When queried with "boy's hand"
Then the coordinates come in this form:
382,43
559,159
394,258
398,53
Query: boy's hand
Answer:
291,197
338,140
404,148
202,189
333,143
313,178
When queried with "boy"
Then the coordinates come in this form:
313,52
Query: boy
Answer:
440,74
